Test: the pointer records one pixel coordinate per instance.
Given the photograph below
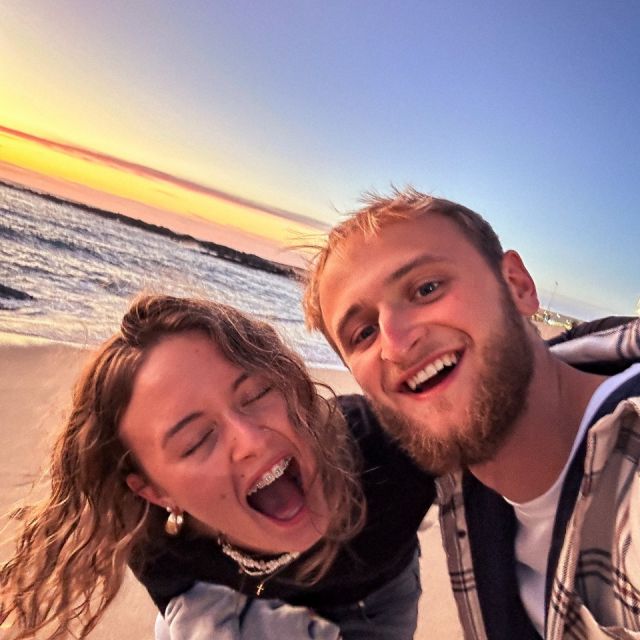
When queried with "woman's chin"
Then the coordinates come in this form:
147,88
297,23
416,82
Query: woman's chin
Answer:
299,541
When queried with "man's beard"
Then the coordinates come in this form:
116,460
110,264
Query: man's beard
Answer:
500,398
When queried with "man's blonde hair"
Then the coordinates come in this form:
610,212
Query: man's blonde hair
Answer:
381,211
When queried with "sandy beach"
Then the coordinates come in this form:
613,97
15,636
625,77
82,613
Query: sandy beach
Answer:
35,389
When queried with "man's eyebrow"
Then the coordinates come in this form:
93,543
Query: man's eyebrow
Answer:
419,261
178,426
394,276
353,310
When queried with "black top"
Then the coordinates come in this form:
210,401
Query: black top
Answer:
398,495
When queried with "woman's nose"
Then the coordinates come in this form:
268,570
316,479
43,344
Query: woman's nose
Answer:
246,437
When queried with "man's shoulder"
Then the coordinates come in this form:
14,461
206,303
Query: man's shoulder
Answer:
605,352
627,389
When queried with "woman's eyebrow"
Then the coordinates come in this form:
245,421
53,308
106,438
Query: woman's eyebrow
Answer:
178,426
239,380
181,424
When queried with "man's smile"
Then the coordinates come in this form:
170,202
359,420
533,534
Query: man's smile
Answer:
427,374
432,373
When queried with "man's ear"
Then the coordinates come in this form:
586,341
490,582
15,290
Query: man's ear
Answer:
145,490
520,283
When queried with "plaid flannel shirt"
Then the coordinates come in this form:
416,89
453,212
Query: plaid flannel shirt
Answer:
593,577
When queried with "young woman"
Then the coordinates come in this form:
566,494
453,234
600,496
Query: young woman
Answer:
199,451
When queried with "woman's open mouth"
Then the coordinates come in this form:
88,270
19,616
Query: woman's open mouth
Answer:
278,493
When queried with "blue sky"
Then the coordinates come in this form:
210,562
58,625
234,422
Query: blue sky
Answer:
526,112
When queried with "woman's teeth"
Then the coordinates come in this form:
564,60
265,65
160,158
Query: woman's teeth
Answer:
432,369
270,476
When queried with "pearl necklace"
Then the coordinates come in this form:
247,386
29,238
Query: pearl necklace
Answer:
253,567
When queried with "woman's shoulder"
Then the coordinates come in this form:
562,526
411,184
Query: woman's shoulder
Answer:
376,445
361,419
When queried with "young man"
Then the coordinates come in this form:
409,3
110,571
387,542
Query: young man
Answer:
540,488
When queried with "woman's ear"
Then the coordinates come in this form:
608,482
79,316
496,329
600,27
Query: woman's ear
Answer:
520,283
146,490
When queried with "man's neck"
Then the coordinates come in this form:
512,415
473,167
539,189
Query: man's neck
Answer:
537,450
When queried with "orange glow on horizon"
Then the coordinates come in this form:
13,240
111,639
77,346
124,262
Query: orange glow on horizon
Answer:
90,171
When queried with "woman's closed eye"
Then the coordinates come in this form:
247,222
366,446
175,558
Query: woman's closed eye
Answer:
193,447
254,396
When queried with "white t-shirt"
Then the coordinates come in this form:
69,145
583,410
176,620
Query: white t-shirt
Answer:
536,517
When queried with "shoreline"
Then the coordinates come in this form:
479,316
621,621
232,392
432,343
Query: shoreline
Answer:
17,338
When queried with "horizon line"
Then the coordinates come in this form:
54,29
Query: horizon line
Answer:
92,155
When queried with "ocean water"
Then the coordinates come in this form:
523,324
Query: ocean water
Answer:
80,270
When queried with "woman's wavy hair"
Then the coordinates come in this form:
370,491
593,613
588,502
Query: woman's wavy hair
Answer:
75,545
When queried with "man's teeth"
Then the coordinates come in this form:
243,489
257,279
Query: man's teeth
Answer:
270,476
432,369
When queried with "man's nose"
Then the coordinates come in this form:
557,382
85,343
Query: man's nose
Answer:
399,334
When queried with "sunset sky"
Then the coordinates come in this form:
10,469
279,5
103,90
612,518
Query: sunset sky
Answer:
527,112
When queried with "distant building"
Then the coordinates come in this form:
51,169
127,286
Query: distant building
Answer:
555,319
